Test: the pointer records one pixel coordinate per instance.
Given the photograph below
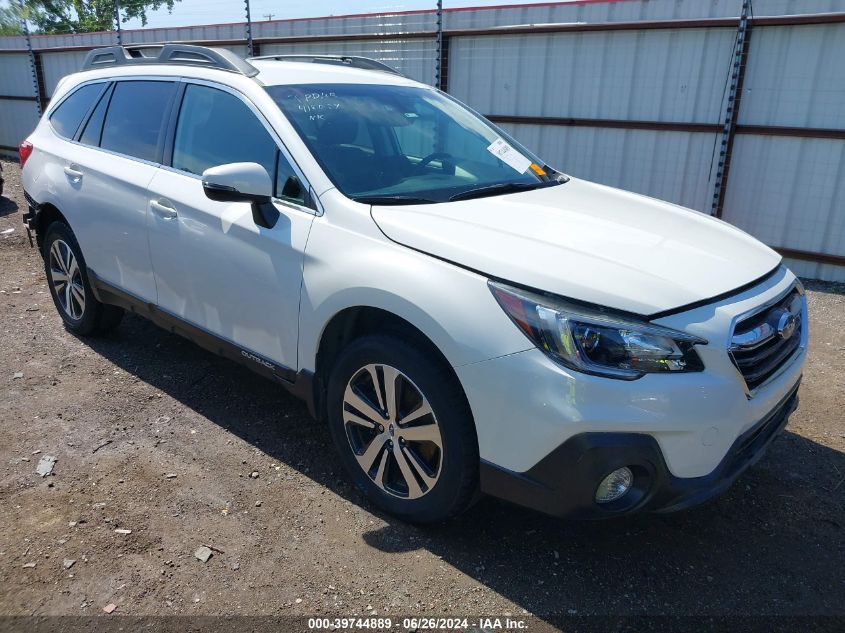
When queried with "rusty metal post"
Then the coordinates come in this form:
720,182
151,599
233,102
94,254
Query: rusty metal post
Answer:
737,79
117,22
438,65
249,46
35,83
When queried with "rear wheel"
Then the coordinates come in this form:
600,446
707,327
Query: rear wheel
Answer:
67,278
403,429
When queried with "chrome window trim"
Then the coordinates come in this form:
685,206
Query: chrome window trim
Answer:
276,201
298,207
142,161
280,145
135,159
51,109
55,104
318,211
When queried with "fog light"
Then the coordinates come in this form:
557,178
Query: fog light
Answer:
615,485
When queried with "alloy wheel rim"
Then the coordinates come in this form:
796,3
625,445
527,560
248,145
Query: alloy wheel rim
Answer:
392,431
67,279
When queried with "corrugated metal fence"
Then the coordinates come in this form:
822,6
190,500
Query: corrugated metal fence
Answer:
630,93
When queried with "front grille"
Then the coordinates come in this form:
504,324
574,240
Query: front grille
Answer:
763,342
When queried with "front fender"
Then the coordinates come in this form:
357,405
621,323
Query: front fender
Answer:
452,306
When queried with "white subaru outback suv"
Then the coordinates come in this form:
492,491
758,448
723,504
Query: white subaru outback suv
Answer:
466,318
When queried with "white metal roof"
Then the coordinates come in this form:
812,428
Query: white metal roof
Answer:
270,73
275,72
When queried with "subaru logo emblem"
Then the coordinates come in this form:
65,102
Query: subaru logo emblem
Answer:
786,325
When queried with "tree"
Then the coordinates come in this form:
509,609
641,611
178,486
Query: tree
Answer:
10,21
85,16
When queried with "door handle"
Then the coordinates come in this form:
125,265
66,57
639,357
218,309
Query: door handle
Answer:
163,209
73,172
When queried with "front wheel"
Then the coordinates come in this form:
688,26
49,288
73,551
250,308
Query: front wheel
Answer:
403,428
67,278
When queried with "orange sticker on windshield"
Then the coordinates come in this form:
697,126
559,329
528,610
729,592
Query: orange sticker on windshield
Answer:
537,169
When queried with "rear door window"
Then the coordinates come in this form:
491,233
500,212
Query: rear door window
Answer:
94,127
136,117
67,117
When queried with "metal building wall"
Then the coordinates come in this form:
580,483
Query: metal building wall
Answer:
16,116
412,57
19,110
57,65
402,22
790,192
386,23
671,166
16,76
624,75
631,106
625,11
605,75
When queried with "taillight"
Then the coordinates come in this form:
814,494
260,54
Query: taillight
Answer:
24,151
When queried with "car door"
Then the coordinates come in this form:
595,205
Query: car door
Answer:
118,149
60,150
215,268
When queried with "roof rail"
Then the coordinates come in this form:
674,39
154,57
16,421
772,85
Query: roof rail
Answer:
181,54
364,63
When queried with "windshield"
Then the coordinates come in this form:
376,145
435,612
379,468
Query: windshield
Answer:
385,144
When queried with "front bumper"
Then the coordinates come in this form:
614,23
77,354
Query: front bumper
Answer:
565,481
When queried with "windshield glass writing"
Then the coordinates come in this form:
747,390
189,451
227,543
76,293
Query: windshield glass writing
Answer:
397,144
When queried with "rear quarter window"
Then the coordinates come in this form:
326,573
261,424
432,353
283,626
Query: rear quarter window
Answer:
94,127
67,117
136,117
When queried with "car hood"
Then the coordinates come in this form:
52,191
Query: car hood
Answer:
587,242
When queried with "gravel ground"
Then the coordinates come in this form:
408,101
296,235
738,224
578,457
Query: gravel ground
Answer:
157,437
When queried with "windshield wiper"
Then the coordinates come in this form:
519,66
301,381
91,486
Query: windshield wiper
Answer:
500,188
393,200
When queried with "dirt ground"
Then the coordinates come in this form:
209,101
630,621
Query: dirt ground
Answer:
156,436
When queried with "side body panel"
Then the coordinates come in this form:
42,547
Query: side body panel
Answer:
215,268
103,195
109,218
350,263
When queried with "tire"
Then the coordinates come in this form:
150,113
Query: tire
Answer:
438,450
81,312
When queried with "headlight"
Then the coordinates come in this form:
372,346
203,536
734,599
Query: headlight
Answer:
598,341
